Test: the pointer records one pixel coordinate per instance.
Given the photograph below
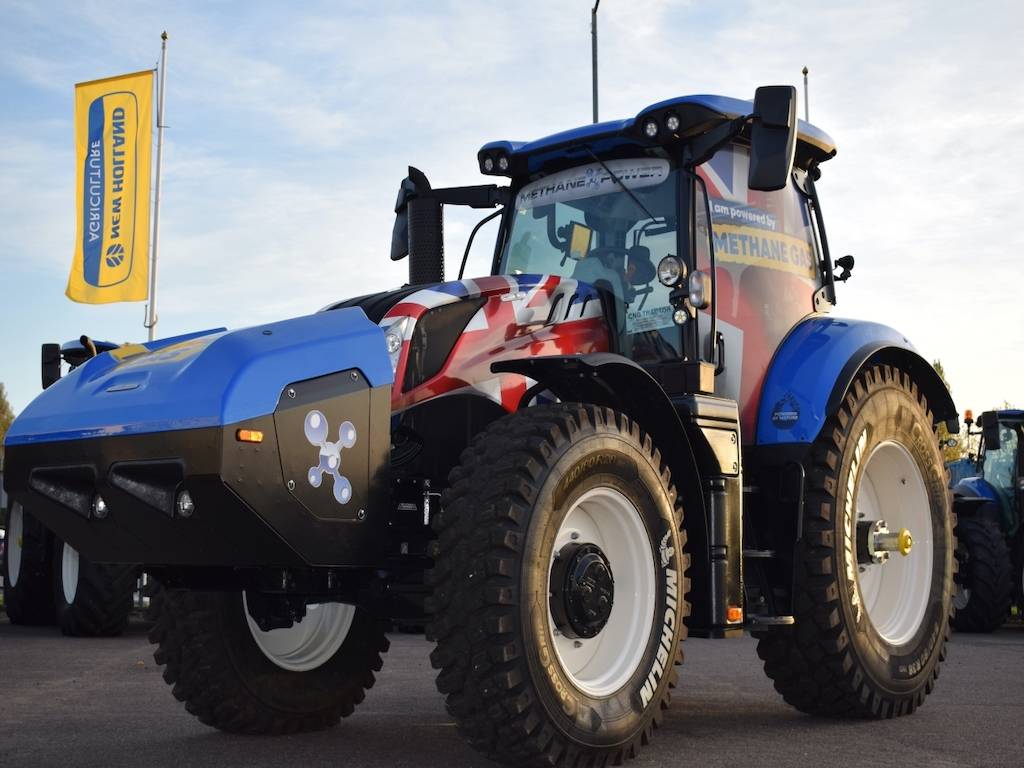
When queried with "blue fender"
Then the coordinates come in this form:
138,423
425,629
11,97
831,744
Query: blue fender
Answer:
976,487
815,365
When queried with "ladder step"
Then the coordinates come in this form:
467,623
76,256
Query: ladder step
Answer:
759,553
770,621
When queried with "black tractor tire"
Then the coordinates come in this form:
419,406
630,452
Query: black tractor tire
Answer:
28,594
224,679
833,661
985,579
97,602
504,682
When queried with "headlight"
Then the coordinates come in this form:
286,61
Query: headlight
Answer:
700,289
672,123
680,316
651,129
503,163
488,164
394,335
670,271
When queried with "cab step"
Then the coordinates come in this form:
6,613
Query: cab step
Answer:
759,554
759,622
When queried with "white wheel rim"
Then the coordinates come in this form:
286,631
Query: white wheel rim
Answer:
895,593
601,665
69,572
306,644
13,542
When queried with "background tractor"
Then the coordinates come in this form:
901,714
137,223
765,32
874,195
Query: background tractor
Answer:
643,423
988,496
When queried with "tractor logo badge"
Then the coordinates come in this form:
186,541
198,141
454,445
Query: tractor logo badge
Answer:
330,453
786,412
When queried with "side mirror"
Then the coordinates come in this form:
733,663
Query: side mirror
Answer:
50,360
414,185
772,137
990,434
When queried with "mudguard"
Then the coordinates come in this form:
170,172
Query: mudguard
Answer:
142,423
817,362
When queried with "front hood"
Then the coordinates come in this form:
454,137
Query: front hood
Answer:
205,379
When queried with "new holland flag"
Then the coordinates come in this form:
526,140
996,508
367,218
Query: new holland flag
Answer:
113,126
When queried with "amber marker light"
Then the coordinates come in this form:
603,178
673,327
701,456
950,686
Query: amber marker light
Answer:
734,613
249,436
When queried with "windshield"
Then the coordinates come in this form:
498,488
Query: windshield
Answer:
581,223
1000,464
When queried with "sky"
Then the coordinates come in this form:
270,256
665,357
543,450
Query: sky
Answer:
290,127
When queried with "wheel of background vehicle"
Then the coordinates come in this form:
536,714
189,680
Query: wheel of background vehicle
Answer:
869,636
558,590
91,600
234,676
984,580
28,597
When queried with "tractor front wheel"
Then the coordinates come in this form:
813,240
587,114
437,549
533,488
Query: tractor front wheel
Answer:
92,600
28,597
238,678
874,575
559,595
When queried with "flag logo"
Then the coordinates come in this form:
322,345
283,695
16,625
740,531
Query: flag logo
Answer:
115,255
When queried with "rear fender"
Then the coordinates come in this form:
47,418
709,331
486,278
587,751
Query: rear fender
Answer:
815,366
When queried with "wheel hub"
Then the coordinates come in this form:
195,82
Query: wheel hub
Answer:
582,590
875,542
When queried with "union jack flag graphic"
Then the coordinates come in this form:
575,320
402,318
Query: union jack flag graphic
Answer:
520,316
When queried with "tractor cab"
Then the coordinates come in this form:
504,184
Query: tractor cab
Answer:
696,220
1000,464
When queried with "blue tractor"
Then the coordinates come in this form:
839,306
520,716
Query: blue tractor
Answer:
988,497
643,423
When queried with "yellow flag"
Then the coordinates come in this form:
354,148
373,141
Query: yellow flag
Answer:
113,126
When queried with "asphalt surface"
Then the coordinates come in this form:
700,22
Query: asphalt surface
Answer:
79,702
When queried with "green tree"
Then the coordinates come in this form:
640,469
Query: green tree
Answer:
949,452
6,417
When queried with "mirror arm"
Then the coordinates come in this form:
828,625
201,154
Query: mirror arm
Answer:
702,148
482,196
826,258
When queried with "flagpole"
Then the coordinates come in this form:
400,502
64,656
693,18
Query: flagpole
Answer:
151,316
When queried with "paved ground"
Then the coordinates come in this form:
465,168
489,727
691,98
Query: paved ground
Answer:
67,702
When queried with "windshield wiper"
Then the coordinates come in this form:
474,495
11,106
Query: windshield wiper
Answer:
618,181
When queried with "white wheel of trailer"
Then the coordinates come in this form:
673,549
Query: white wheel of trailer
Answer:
895,592
69,572
13,541
309,643
601,665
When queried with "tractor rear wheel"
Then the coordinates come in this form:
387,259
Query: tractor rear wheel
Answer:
28,596
559,597
238,678
871,604
92,600
984,580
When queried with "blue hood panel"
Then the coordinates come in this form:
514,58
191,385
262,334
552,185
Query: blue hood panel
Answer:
207,379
